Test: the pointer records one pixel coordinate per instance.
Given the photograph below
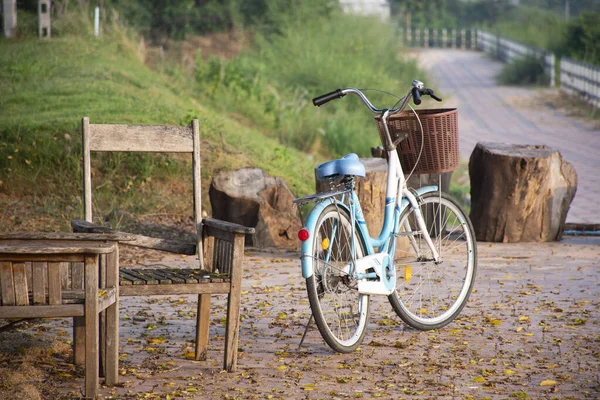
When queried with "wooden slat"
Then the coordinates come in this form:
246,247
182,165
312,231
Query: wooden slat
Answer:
28,274
54,283
227,226
64,310
64,236
26,247
40,257
184,274
143,138
163,276
77,275
108,298
209,252
7,285
20,279
140,275
185,288
40,282
65,275
125,277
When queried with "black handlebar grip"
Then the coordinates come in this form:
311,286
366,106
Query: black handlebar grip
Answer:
416,96
326,98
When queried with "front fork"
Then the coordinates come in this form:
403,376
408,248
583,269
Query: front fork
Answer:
412,200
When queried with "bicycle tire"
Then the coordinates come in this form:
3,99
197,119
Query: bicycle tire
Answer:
429,294
340,312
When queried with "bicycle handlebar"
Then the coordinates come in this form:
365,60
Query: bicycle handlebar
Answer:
415,93
326,98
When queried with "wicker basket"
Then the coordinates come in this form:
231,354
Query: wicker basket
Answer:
440,134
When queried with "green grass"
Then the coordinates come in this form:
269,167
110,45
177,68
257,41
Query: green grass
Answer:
48,86
273,84
254,110
533,26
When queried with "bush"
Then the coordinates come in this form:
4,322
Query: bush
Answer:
525,71
300,55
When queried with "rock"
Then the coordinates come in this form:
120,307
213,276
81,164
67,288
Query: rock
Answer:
251,198
519,193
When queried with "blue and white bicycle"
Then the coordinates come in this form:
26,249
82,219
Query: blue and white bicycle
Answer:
424,259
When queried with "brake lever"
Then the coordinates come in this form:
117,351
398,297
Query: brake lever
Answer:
430,93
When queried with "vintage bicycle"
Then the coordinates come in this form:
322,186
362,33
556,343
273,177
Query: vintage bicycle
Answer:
425,257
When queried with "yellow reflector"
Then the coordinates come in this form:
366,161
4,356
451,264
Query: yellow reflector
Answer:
325,244
407,273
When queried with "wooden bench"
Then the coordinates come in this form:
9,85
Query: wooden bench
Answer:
48,275
219,245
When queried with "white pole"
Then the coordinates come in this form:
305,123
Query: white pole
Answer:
97,21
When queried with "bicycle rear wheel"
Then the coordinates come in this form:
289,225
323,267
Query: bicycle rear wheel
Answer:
430,294
341,313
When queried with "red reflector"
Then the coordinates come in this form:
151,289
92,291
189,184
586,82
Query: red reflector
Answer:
303,234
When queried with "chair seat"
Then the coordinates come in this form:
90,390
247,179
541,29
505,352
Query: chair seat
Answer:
347,165
167,276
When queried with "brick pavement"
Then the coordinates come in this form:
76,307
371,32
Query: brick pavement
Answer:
533,317
488,112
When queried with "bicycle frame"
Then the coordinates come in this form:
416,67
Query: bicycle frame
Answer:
398,197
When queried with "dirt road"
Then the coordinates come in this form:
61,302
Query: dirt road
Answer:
492,113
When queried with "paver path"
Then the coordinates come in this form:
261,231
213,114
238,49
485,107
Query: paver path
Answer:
488,112
531,329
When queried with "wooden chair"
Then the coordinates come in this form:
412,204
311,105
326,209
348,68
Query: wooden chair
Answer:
219,245
49,275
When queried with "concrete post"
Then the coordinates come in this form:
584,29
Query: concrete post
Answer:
45,25
9,9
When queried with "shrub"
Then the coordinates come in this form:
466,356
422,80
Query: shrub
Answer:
524,71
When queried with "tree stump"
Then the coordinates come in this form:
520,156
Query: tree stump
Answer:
519,193
251,198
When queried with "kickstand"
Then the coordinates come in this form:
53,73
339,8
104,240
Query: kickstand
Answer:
305,330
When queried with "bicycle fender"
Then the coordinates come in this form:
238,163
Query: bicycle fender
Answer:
420,192
306,250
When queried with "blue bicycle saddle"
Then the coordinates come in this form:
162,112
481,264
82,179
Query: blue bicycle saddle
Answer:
347,165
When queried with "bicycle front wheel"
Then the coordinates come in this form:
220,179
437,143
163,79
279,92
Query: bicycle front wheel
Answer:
430,294
341,313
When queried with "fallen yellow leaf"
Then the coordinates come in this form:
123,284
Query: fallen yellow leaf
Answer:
547,382
509,372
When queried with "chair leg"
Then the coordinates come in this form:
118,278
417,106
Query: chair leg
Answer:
232,332
202,326
111,332
91,327
78,340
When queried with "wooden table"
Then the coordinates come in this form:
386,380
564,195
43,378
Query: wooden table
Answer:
45,275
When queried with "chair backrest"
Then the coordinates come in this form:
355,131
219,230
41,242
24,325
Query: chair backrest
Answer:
143,138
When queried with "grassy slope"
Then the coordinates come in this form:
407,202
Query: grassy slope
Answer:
48,86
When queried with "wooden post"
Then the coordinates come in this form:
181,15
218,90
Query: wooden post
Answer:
9,10
45,25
